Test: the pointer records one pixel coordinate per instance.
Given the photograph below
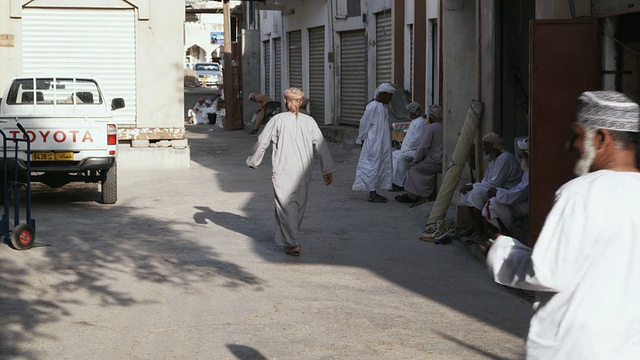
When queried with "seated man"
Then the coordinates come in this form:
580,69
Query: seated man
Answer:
505,205
503,171
401,158
195,115
427,162
260,100
210,112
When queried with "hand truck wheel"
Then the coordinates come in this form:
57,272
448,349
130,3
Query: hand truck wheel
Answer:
23,237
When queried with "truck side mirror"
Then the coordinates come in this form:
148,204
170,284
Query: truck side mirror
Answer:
117,103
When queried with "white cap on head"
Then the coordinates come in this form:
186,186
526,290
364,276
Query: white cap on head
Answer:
413,108
385,88
609,110
524,144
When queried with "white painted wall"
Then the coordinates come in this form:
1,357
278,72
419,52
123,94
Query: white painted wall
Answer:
459,53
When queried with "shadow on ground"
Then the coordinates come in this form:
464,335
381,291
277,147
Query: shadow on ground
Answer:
88,259
341,228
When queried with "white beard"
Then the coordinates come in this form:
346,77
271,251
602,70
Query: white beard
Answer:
489,158
524,164
583,165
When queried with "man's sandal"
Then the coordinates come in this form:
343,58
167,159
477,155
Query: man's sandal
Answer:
292,250
377,199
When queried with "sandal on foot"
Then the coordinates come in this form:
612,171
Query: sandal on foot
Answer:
377,199
293,250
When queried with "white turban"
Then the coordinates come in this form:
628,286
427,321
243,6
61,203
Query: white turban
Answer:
608,110
385,88
414,108
524,144
495,139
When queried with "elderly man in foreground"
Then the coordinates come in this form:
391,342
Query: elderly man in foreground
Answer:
403,156
503,171
585,261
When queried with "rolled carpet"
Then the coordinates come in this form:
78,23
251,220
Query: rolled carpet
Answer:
458,160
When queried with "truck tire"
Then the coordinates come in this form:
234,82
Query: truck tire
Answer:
109,185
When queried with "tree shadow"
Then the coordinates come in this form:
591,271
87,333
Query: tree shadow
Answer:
95,251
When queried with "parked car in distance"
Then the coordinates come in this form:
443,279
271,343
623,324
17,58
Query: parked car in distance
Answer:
209,73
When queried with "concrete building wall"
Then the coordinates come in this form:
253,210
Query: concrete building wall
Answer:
459,67
10,45
159,51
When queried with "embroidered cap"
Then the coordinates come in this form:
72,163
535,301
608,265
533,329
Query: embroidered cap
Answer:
609,110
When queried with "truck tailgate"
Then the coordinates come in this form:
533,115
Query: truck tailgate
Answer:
59,133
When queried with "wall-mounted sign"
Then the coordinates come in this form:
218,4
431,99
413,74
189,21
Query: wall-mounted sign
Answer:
6,40
217,37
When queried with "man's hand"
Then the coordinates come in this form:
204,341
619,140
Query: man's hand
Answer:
465,189
492,192
327,178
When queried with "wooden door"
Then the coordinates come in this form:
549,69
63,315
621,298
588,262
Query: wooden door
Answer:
563,63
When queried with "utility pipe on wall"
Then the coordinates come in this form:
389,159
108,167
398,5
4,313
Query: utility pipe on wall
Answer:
479,163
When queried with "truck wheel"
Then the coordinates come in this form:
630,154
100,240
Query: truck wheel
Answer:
109,185
23,237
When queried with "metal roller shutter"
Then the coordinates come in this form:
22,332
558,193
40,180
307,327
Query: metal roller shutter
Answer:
267,67
90,42
277,73
383,47
295,59
316,73
353,76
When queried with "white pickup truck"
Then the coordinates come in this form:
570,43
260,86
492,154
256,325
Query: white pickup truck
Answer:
72,134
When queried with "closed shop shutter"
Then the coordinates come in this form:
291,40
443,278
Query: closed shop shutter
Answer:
277,73
353,76
383,47
295,59
316,73
89,42
267,68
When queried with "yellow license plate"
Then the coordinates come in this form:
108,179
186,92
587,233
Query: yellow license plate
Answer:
52,156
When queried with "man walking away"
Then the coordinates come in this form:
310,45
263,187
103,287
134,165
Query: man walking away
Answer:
295,137
585,261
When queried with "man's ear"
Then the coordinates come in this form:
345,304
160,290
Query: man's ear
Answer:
602,139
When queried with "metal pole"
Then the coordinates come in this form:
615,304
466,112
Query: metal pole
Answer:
227,71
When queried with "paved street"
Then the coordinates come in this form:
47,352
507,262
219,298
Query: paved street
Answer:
183,267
